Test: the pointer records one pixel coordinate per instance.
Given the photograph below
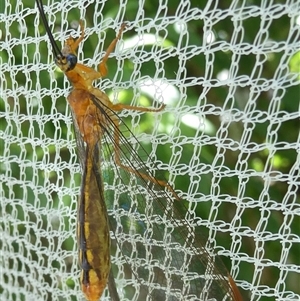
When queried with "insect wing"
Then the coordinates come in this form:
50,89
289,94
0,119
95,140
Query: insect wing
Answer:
159,247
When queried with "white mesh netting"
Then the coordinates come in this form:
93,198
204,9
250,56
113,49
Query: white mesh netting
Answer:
228,138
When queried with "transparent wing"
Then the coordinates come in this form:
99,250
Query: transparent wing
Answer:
158,245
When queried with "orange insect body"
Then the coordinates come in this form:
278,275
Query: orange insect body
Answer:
93,229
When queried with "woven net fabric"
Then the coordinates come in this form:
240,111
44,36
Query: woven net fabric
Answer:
228,139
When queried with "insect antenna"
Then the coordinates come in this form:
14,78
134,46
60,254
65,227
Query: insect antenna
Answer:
56,51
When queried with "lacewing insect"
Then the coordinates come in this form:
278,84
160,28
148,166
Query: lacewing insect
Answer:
179,267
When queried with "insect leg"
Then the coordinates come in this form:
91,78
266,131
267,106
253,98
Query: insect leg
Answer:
102,66
144,176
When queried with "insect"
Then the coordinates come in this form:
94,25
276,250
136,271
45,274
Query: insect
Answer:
149,216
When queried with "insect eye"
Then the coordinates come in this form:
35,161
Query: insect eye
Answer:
66,63
71,61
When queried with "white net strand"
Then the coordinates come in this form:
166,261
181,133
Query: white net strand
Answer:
228,139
